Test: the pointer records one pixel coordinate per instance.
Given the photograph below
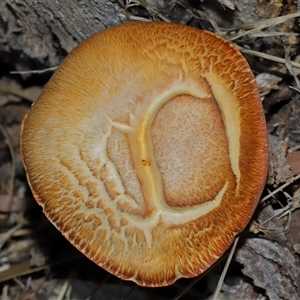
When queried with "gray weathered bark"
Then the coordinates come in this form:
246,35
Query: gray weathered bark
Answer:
45,31
39,33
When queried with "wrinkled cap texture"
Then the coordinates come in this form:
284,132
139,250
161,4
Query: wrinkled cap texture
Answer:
147,149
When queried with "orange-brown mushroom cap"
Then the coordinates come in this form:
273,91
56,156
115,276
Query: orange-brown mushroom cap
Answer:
147,149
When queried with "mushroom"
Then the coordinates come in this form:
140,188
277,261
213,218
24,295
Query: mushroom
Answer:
147,149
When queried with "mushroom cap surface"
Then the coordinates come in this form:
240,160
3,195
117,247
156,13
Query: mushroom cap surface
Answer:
147,149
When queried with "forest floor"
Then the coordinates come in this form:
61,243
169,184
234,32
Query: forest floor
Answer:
37,262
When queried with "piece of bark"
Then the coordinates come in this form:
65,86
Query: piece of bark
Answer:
241,290
270,224
279,170
278,96
293,160
272,267
36,34
293,234
243,11
293,123
287,121
45,31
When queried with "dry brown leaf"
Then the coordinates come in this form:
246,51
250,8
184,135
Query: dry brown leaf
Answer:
293,160
267,82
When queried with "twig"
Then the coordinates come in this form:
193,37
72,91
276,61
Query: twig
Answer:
34,71
259,25
267,56
288,64
279,189
66,285
9,233
225,269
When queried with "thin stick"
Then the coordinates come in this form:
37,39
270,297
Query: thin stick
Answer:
279,189
34,71
268,56
259,25
9,234
224,272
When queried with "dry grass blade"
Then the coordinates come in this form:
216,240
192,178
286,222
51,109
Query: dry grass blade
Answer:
279,189
289,66
270,22
19,269
268,56
25,268
248,28
283,212
297,147
272,34
222,277
9,233
67,286
34,71
188,286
